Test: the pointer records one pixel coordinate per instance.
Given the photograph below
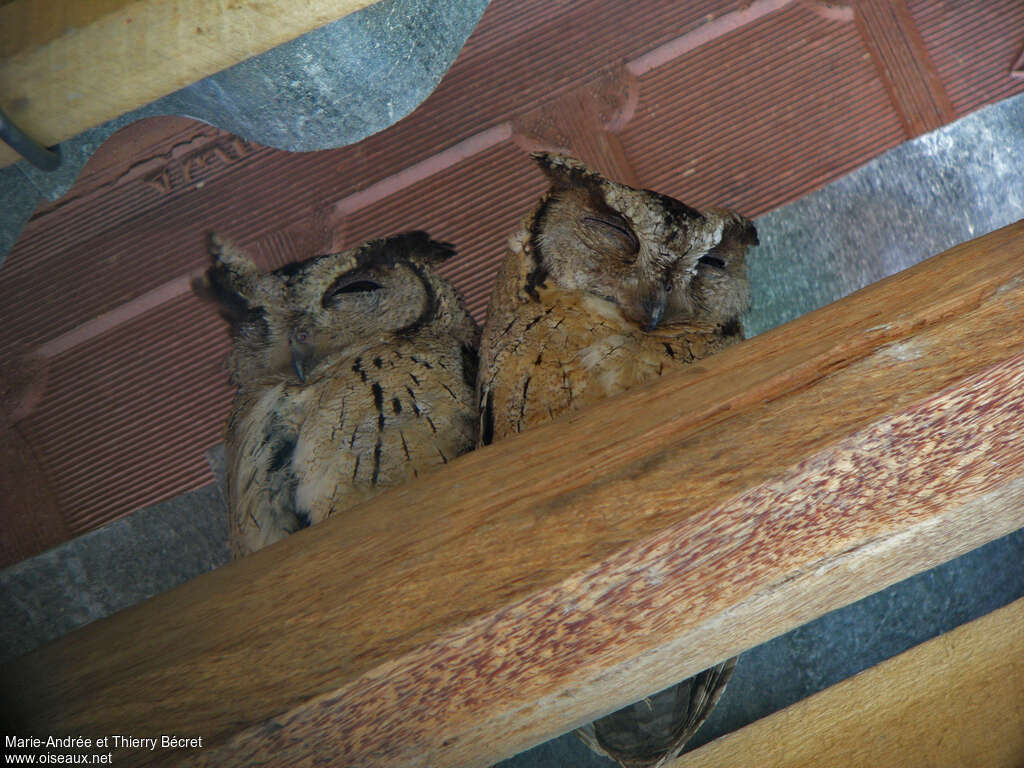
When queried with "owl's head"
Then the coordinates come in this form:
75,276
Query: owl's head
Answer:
285,323
661,261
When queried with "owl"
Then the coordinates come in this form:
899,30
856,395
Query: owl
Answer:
355,372
605,287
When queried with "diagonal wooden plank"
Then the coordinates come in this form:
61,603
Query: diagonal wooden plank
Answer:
955,700
66,66
541,582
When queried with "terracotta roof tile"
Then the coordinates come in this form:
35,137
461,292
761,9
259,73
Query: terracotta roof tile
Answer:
974,46
745,104
127,415
762,115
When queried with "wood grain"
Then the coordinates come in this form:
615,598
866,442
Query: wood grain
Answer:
66,66
546,580
955,700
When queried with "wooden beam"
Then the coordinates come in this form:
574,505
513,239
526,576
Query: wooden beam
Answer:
538,583
955,700
67,65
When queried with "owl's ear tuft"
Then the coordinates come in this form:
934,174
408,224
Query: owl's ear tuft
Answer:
233,306
223,251
419,245
744,231
564,171
230,281
416,245
737,230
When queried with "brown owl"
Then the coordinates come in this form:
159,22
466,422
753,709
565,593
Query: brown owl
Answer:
355,372
606,287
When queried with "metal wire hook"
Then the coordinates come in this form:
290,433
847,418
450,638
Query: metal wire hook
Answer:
41,157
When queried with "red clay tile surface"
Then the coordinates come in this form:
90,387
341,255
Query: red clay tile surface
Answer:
115,384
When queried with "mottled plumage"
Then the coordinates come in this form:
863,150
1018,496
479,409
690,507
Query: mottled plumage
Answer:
355,373
604,288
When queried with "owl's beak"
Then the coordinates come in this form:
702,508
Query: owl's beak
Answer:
653,306
302,357
298,365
